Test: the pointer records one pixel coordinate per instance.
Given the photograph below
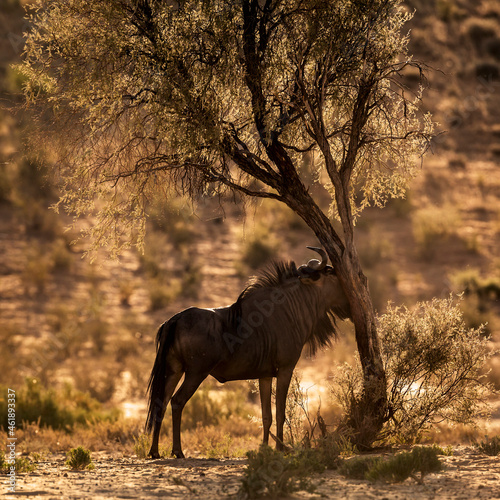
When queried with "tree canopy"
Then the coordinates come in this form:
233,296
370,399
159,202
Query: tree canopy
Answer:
222,94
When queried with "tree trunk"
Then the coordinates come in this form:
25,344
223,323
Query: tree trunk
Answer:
367,412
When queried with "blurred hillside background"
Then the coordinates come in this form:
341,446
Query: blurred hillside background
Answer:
66,320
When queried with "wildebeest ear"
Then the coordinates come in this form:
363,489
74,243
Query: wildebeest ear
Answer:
311,278
329,270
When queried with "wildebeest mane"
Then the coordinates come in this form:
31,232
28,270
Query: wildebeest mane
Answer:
302,300
275,274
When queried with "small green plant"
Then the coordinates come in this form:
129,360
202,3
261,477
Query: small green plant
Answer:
24,464
446,452
79,459
357,467
489,446
272,474
21,464
421,460
38,456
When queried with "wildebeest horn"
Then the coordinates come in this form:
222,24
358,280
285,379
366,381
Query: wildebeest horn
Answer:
315,263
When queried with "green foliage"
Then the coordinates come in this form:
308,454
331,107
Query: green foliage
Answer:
447,452
357,467
422,459
79,459
489,446
198,92
57,409
21,464
272,474
434,366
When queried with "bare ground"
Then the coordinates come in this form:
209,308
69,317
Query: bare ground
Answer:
467,474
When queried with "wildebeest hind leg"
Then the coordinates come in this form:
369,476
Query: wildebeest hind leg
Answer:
265,385
191,382
170,385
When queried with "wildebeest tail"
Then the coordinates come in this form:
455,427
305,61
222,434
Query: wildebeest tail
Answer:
158,378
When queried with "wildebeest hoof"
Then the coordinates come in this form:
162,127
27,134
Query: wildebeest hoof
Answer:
178,454
153,455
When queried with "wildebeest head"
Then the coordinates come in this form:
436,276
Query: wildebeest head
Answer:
320,275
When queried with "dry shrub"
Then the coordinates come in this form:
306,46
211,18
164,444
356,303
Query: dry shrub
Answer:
37,269
11,355
174,216
478,30
97,381
117,435
493,48
5,184
432,225
481,294
489,446
56,408
61,256
163,294
272,474
213,442
257,252
376,250
487,70
433,364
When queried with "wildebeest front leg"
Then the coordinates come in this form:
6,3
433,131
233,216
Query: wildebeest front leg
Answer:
191,382
265,385
282,384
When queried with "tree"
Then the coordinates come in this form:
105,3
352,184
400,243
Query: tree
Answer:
235,95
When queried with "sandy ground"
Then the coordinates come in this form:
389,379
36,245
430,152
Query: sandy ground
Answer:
467,474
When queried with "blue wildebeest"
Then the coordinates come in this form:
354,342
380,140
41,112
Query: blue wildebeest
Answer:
260,336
